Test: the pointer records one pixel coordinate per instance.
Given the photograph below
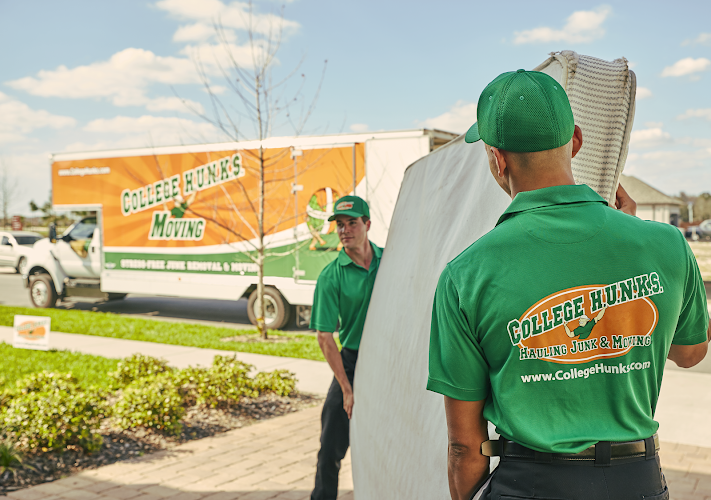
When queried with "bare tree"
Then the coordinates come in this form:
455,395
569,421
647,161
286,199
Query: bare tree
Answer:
265,104
9,192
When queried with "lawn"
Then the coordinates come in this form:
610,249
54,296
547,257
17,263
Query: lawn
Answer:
113,325
89,370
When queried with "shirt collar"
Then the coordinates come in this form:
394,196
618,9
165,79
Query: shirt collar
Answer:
550,196
344,260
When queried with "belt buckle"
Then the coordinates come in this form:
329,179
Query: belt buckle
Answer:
492,448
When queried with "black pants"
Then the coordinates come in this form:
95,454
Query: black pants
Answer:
335,437
641,479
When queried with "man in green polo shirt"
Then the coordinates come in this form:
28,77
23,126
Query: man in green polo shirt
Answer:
342,295
500,349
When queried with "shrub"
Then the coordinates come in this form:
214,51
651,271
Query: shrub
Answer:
223,384
153,403
137,367
280,382
10,458
47,382
54,420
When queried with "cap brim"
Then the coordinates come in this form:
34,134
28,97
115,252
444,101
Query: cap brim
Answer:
350,213
472,133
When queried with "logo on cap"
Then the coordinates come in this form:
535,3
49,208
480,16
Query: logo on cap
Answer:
344,205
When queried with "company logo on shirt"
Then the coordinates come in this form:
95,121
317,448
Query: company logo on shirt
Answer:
589,322
344,205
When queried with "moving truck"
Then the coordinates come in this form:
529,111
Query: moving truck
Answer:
182,221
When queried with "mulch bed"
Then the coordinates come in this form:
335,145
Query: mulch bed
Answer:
198,423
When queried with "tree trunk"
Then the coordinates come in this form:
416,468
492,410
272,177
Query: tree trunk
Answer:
261,324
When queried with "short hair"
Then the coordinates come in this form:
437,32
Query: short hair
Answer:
365,219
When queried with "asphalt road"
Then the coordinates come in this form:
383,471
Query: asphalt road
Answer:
212,312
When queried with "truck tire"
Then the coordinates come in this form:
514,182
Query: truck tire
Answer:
277,311
42,291
115,296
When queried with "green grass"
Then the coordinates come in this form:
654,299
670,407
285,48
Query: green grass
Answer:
89,370
186,334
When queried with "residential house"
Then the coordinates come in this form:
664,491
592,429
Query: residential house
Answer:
652,204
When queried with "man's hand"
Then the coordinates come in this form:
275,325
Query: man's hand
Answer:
348,400
330,352
623,201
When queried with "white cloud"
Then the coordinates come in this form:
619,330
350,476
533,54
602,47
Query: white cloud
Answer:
687,66
458,119
144,131
213,56
174,104
702,39
124,79
581,27
18,119
161,130
696,113
232,17
673,171
359,128
198,32
643,93
653,136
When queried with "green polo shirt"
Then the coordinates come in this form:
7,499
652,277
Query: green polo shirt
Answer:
343,293
557,253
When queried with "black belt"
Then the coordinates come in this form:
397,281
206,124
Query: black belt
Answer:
601,453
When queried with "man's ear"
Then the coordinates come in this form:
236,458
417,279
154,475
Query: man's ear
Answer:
367,226
500,161
577,140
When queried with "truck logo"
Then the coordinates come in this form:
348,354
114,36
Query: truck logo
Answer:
194,180
167,228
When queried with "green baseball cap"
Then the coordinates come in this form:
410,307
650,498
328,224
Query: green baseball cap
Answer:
523,111
354,206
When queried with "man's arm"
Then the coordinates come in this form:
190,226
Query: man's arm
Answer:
686,356
330,352
467,468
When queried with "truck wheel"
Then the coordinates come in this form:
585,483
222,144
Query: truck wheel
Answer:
116,296
42,292
21,264
276,309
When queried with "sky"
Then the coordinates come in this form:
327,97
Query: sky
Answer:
96,75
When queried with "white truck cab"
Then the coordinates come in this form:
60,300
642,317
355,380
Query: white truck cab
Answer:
70,265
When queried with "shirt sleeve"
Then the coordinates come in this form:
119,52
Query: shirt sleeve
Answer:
324,313
694,317
457,365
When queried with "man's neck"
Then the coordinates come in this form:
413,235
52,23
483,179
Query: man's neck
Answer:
362,255
541,180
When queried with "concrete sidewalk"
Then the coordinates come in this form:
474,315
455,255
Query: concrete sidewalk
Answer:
313,376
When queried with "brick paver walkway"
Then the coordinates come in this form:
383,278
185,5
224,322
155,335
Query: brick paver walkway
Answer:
275,459
688,471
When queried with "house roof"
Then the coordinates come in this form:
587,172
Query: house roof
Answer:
644,194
